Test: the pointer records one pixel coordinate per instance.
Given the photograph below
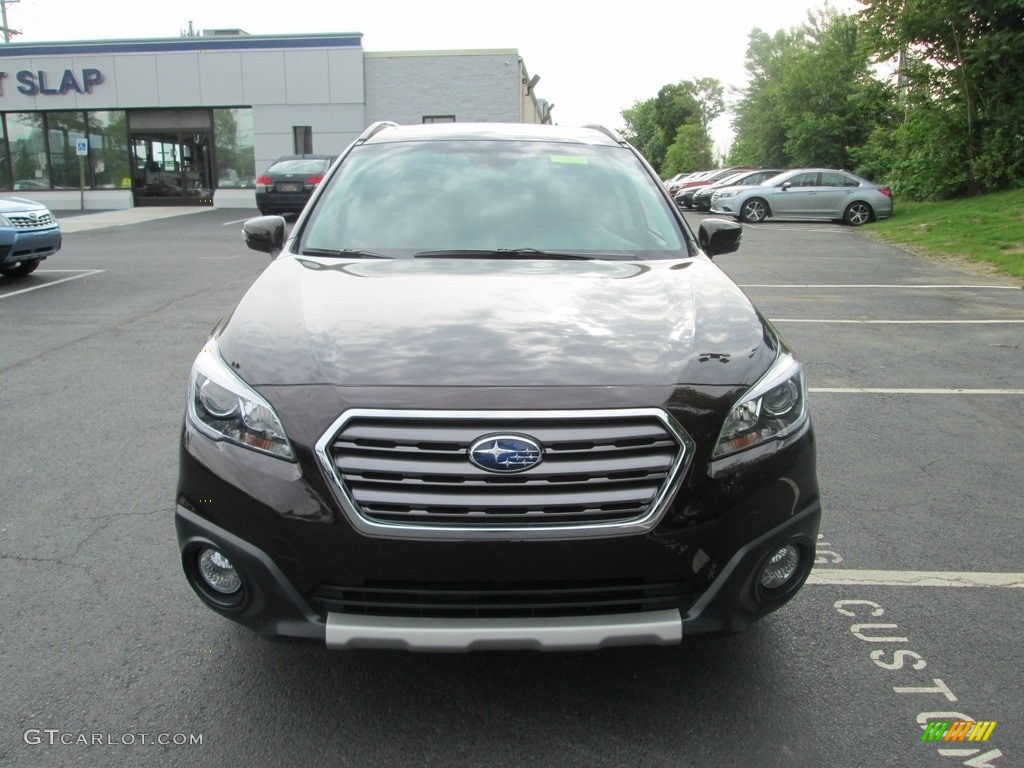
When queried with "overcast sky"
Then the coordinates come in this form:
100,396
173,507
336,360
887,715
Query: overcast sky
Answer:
593,59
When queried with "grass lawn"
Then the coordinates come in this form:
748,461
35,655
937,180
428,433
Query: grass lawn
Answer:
989,229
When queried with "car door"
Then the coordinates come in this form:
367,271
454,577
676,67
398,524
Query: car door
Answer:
834,194
797,195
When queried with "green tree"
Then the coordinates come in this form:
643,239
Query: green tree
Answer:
643,132
678,117
961,69
760,114
691,149
812,96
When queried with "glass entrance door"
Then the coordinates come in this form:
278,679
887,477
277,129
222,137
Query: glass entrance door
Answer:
172,168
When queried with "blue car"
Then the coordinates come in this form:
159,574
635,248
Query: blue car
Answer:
28,234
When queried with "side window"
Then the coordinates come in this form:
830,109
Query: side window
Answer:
833,179
805,180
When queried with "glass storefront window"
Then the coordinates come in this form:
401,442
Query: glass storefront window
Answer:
108,150
236,159
64,130
28,150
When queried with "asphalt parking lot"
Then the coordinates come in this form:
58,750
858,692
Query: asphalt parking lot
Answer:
107,658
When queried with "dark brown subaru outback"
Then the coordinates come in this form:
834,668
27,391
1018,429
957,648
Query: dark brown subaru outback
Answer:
492,392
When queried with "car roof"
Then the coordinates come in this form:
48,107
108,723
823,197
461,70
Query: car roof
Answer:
379,134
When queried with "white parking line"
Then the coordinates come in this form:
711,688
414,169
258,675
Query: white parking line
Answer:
86,273
842,577
910,391
237,221
829,321
903,287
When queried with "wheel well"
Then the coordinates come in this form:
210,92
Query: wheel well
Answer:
871,208
767,205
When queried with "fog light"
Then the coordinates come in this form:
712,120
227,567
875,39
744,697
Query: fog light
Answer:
781,567
218,572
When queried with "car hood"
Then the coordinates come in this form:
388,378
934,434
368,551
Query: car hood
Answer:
737,188
451,322
16,204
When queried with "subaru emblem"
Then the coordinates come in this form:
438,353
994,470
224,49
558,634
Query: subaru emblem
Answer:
506,453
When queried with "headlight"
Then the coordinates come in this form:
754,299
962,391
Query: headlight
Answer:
723,195
224,407
772,409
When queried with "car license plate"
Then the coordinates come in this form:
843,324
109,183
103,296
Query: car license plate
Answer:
289,187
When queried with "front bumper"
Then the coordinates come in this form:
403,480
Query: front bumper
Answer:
273,607
28,245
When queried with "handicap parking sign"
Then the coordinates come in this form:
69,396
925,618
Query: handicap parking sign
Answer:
81,147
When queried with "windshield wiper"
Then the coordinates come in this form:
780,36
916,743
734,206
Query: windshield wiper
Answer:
344,253
508,253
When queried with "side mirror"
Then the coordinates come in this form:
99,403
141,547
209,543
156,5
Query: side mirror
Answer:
786,184
265,234
718,236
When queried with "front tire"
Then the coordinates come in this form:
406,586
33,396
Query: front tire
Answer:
858,213
754,211
21,269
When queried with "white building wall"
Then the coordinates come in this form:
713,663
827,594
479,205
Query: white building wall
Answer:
335,126
475,86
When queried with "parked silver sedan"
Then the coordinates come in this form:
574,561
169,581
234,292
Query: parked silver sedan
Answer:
807,193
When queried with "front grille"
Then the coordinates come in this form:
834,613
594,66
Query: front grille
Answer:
24,221
502,600
597,468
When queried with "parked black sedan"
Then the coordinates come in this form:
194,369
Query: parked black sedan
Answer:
467,407
289,183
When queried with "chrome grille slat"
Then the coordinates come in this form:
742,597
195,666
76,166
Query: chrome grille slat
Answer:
20,221
507,497
413,470
548,435
457,465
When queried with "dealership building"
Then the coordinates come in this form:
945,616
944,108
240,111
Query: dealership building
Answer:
194,120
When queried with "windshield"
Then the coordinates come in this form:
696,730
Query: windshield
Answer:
494,197
303,165
776,179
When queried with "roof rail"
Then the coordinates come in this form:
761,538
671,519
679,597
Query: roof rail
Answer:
375,128
613,135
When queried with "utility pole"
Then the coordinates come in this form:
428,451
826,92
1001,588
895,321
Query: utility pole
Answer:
8,32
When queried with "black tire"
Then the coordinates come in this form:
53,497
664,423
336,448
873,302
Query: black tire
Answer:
21,269
858,213
754,211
